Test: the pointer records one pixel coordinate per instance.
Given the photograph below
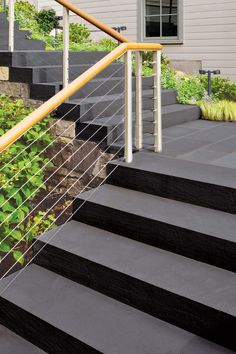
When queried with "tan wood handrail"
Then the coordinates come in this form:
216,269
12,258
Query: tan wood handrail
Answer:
103,27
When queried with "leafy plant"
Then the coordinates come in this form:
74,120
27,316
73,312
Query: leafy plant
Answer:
168,79
46,20
78,33
1,6
107,44
190,89
222,88
25,14
219,111
21,178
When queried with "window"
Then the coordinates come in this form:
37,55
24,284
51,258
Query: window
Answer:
161,20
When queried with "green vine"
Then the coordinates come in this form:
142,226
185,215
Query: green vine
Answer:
21,180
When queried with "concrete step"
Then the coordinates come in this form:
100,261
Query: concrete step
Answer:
50,58
46,73
10,343
192,231
181,291
23,43
61,316
97,87
21,40
174,114
191,182
171,115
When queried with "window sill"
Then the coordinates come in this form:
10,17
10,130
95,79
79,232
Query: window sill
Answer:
163,41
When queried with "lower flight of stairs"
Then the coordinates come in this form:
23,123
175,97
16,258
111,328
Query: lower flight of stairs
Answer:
147,265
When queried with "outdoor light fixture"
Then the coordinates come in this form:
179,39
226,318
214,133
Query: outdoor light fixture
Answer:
209,73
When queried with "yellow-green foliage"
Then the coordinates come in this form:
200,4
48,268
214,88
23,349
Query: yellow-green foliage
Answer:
220,111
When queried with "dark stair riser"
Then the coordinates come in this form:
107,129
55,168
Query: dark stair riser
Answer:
92,89
95,88
188,243
40,333
189,191
165,305
23,43
52,74
52,58
108,133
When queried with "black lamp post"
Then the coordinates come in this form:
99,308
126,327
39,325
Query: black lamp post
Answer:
209,73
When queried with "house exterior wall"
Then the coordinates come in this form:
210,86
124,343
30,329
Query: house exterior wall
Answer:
209,35
209,29
112,12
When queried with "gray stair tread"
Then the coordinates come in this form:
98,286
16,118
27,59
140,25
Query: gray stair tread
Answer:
152,162
118,119
97,320
194,280
191,217
178,108
10,343
147,114
96,79
96,99
58,66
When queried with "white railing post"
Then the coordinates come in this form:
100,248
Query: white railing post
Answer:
128,107
139,105
66,41
11,18
157,102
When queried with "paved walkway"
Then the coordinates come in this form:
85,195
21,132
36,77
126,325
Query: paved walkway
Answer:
202,141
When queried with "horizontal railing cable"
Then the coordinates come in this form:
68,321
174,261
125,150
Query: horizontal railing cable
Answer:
51,208
59,167
63,211
65,115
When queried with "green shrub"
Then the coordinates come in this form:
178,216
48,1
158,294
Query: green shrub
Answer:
1,6
219,111
25,14
168,79
222,88
21,178
78,33
46,20
107,44
190,89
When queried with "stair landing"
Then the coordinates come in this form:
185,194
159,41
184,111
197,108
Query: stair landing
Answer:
202,141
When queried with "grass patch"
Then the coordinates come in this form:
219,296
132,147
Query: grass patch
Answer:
218,111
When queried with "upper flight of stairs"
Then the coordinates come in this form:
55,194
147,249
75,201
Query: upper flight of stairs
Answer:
21,37
42,70
145,266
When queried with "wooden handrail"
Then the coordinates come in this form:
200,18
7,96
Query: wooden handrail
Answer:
93,21
46,108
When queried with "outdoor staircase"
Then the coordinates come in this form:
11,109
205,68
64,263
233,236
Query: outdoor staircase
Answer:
99,99
147,265
21,37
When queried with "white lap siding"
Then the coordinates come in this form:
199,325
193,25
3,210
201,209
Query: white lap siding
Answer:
209,35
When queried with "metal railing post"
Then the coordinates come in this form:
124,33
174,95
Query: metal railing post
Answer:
66,41
128,107
157,102
139,105
11,18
